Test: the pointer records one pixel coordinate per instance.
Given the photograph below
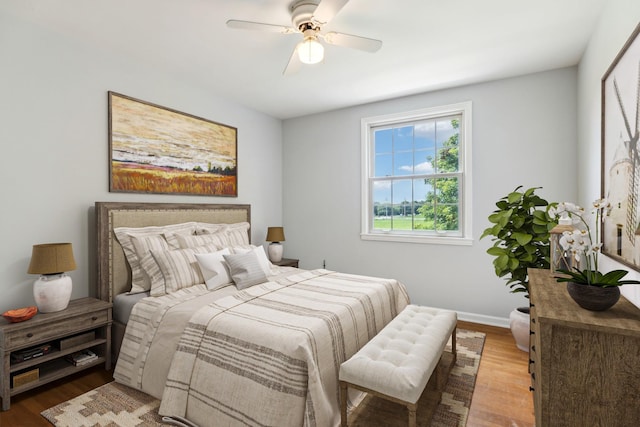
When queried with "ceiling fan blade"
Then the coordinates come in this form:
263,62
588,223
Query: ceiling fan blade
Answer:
294,63
354,42
327,9
260,26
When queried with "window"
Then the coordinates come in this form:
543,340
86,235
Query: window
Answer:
417,176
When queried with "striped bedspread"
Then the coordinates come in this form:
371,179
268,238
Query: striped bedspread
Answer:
269,355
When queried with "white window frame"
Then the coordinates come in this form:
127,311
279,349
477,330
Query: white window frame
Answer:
367,152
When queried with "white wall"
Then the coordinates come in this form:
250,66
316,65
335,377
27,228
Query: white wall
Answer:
54,136
524,133
618,20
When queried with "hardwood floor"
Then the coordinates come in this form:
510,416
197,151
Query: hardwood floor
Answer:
501,396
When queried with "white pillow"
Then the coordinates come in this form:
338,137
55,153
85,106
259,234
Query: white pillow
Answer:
265,264
245,269
214,268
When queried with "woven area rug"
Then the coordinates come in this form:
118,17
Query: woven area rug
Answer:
115,405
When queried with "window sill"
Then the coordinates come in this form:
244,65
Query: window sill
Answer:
429,240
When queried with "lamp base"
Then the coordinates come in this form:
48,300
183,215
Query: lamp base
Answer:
275,252
52,293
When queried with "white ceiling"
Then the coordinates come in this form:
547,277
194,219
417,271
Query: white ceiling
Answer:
428,44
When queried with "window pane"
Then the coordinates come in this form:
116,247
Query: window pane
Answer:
447,217
447,138
403,163
421,188
383,141
425,135
383,165
382,205
440,210
402,204
403,139
423,161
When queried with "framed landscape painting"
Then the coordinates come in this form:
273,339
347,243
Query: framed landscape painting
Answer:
154,149
621,154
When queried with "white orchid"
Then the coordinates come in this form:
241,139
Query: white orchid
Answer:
583,248
579,241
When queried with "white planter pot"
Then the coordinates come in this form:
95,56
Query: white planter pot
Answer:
519,323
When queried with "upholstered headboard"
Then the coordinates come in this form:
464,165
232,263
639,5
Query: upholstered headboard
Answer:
114,275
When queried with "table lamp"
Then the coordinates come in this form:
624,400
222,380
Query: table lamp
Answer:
52,290
275,235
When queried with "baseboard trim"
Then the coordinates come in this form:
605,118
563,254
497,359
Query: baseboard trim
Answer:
482,319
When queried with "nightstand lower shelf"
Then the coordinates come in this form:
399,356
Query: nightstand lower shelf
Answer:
54,370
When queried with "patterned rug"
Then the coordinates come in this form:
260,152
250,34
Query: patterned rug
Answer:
115,405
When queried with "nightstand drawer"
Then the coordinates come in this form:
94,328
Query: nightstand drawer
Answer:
25,337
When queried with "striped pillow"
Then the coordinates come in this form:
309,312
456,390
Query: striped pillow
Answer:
245,269
143,246
179,269
237,233
125,235
220,239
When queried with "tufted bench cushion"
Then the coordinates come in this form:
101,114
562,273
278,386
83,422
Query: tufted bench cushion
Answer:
400,359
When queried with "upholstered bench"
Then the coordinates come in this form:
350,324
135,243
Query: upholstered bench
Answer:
397,363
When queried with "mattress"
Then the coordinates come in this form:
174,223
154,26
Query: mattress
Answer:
123,304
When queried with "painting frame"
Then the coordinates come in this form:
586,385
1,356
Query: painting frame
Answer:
620,154
159,150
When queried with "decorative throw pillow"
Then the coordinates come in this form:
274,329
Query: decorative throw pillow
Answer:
214,269
124,236
265,264
245,269
179,269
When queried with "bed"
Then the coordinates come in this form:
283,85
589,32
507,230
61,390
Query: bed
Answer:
263,354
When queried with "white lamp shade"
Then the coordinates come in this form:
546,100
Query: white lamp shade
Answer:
52,293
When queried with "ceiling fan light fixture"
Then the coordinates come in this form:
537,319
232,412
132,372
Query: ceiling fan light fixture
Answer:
310,51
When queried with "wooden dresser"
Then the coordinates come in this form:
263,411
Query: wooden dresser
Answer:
585,365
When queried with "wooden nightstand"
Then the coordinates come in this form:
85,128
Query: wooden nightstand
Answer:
84,325
287,262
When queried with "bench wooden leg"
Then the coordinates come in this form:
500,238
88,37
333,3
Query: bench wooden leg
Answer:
413,408
453,344
343,403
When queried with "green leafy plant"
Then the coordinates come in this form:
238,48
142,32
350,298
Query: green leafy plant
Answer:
584,249
520,231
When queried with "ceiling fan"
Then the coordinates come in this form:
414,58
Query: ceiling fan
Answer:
308,17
